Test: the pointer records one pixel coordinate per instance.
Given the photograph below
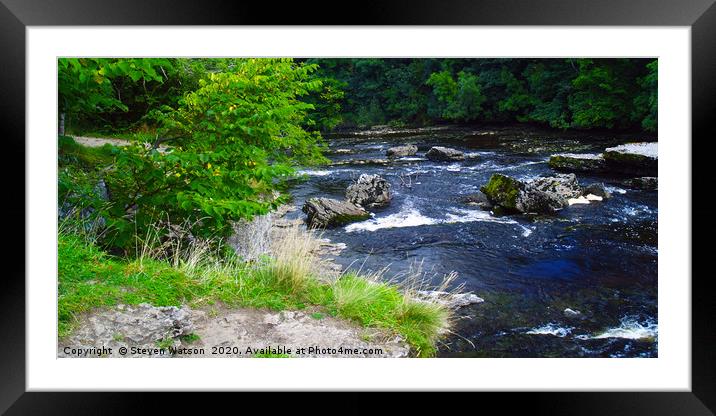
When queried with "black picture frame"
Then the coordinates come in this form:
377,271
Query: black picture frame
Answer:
15,15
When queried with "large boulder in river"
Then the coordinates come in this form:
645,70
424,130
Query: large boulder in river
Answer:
544,195
402,151
503,190
328,213
444,154
573,162
562,186
640,159
369,191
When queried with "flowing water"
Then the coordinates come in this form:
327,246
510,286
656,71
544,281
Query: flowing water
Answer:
599,259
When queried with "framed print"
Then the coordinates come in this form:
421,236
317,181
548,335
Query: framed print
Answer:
457,191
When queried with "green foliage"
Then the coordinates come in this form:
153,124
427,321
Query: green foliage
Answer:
233,142
646,103
563,93
90,87
603,93
189,338
459,100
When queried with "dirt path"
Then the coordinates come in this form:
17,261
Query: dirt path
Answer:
99,141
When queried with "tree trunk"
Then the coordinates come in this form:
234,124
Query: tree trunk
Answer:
62,124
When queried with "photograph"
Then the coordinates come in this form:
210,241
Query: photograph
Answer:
357,207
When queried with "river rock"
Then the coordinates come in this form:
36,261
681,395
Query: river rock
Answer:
444,154
543,195
451,300
571,313
328,213
401,151
597,189
563,186
647,183
633,159
572,162
369,191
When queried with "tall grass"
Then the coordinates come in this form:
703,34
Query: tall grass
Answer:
168,270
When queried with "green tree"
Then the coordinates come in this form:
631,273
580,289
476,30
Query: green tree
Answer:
459,99
85,85
233,141
646,103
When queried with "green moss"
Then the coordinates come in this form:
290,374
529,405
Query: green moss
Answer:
502,190
574,164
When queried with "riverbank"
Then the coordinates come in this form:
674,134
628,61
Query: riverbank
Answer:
219,296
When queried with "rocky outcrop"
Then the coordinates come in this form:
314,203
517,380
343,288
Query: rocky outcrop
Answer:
369,191
544,195
402,151
329,213
141,326
75,205
444,154
161,332
628,159
572,162
639,159
646,183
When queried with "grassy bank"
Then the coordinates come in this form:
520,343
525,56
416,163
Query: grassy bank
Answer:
197,275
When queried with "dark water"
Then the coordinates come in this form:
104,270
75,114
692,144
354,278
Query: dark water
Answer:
599,259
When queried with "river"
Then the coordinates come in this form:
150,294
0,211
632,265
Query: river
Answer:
599,259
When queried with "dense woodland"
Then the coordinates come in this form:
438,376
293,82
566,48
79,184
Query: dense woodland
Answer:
561,93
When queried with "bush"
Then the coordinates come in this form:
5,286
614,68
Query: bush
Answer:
232,143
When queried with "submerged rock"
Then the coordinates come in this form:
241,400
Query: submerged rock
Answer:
571,162
633,158
369,191
401,151
328,213
444,154
647,183
478,199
